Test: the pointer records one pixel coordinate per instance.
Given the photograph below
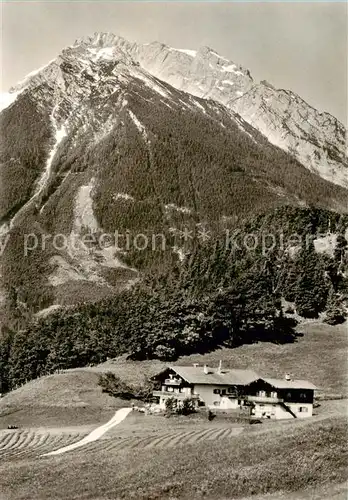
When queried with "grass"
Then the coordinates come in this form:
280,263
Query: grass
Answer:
285,459
63,399
137,425
18,445
74,397
54,416
323,492
319,355
185,458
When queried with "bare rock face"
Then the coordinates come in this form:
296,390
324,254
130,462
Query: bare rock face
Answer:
316,139
203,73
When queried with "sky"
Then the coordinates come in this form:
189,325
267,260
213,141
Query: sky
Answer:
297,46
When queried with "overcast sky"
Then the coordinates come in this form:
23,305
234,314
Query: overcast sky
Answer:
298,46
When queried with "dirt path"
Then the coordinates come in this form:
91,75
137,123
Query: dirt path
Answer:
94,435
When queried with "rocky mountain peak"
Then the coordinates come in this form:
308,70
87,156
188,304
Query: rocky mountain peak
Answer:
100,39
316,139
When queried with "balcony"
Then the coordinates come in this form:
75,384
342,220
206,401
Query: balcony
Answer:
172,381
176,395
263,399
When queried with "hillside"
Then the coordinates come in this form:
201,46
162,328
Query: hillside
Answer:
158,206
245,465
145,456
119,210
317,140
218,296
111,147
73,397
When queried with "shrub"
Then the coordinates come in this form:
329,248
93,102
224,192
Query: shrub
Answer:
335,316
171,405
187,407
114,386
210,415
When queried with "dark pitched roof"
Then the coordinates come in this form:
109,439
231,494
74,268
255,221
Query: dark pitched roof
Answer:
289,384
196,375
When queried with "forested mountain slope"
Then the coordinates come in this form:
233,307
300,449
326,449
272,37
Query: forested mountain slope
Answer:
317,139
221,294
94,143
119,197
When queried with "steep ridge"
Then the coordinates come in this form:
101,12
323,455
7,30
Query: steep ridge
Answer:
317,140
94,142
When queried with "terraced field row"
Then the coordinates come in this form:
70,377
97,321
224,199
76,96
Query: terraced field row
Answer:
162,440
20,444
25,444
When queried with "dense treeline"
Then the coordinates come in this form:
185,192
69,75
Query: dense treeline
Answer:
220,295
147,323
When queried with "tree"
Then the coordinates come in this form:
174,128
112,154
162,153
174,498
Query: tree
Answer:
171,405
6,341
340,249
312,287
291,280
335,311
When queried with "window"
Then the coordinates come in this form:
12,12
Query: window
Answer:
232,391
262,394
303,395
216,391
303,409
223,391
274,394
170,389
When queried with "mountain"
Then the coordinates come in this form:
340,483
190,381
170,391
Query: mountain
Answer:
115,136
317,140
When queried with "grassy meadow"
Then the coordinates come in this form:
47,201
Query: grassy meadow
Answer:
73,397
285,459
152,457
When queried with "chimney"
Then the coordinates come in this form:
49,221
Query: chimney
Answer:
287,376
220,366
206,369
195,365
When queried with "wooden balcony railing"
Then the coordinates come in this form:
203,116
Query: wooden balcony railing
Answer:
177,395
172,381
263,399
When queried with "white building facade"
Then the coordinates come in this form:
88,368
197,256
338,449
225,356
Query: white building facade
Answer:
233,390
